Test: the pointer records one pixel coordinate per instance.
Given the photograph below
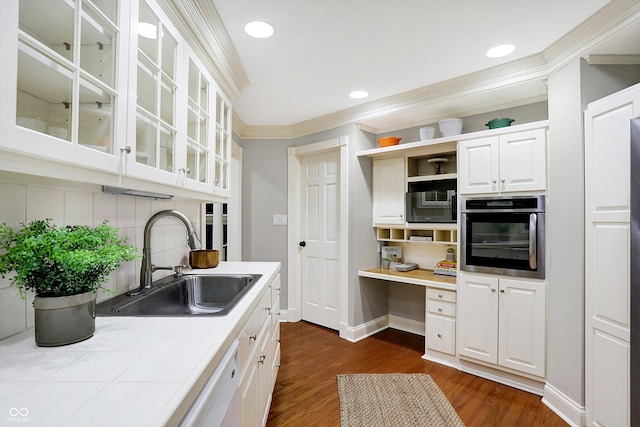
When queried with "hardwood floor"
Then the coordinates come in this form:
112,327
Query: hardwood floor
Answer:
306,392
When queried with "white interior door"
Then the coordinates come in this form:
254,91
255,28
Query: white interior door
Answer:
320,239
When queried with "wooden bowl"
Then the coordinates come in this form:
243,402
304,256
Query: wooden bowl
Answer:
204,258
388,141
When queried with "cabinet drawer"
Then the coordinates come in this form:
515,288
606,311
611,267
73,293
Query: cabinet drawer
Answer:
440,307
441,295
441,334
253,330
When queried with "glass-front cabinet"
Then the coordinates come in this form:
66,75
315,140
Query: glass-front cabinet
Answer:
69,76
223,145
112,86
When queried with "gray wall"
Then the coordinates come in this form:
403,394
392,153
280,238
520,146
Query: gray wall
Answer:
264,193
522,114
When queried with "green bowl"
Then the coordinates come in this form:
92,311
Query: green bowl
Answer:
499,123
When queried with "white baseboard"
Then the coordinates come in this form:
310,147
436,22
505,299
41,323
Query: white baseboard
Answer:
571,412
407,325
357,333
502,377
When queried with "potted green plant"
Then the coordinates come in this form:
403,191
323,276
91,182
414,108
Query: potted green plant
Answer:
64,267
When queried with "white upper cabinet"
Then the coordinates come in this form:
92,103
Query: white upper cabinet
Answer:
503,163
111,87
65,99
388,191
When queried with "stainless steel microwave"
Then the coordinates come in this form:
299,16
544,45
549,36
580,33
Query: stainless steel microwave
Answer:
431,206
503,235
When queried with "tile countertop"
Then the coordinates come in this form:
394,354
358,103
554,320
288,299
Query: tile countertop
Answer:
134,371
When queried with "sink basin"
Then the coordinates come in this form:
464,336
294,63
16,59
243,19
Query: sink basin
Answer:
189,295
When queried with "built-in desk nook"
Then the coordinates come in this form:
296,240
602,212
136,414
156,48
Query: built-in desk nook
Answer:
440,316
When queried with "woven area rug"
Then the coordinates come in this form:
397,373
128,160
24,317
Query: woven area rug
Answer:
386,400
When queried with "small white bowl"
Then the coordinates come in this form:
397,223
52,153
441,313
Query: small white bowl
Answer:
427,133
449,127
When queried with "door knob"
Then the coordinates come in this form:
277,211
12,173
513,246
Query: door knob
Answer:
302,244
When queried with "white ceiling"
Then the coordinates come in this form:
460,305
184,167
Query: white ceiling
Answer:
324,49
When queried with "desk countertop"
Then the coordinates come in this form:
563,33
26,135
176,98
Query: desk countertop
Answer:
415,277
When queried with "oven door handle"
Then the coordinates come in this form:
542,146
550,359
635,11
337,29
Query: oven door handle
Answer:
533,241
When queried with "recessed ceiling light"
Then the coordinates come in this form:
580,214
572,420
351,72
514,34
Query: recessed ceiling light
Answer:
500,51
359,94
258,29
147,30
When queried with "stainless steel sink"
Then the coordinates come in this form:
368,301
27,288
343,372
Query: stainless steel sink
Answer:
189,295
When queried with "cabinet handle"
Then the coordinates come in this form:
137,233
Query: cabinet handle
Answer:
261,359
233,373
186,171
126,149
268,310
253,337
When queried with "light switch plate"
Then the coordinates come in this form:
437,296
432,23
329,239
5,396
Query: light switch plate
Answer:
279,220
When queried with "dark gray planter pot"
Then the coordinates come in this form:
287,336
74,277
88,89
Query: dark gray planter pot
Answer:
64,320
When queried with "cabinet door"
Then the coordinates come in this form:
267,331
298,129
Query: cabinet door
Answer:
388,191
523,161
521,334
478,317
608,234
478,165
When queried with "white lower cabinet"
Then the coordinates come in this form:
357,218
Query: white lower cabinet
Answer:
501,322
259,348
441,321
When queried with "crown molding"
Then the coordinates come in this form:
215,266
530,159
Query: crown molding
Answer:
613,59
610,21
615,17
200,24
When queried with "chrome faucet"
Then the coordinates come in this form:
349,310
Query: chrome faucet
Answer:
147,269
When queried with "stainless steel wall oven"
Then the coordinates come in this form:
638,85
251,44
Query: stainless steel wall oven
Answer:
503,235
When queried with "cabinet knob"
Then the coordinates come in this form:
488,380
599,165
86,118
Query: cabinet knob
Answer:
268,310
439,295
262,358
493,181
503,180
439,309
253,337
502,291
493,289
439,335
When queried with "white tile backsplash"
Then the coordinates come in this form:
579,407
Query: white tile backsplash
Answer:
71,206
78,208
45,202
13,199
